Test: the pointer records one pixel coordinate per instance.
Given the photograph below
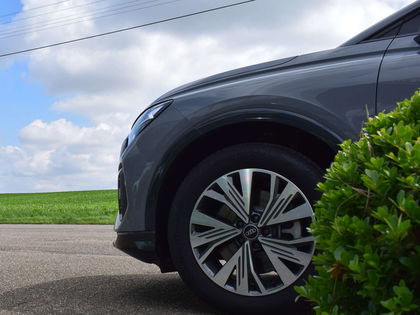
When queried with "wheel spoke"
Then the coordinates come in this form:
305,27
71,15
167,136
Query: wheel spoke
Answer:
255,276
298,241
246,184
241,261
284,273
231,197
276,206
201,218
277,249
273,190
300,212
220,233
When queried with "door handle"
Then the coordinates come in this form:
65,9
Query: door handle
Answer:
417,39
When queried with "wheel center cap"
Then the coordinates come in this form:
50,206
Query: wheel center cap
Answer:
250,232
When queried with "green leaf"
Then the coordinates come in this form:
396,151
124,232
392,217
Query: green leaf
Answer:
368,221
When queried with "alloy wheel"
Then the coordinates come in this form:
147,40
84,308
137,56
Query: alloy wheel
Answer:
249,232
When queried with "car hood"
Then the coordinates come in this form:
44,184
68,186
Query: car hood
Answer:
228,75
254,70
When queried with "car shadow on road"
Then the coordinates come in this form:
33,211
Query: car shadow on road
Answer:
118,294
125,294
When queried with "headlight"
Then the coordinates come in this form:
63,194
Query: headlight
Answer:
145,118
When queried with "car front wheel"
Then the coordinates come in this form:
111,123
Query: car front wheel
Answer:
238,228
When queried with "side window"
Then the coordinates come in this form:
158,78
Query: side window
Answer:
387,33
412,26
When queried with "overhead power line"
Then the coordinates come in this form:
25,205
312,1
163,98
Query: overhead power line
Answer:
34,8
23,18
124,29
93,15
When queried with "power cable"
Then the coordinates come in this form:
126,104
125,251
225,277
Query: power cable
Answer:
124,29
34,8
23,18
24,30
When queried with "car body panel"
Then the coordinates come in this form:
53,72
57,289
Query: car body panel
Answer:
231,74
294,94
297,87
143,159
399,76
296,90
327,94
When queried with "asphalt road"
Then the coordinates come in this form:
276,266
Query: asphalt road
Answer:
74,269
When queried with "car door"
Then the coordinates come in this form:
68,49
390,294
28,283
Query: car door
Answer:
399,75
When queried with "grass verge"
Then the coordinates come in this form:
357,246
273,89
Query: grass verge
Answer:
73,207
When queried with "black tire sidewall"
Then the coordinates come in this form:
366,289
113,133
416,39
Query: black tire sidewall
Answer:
304,173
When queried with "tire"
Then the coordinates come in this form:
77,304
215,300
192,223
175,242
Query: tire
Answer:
222,260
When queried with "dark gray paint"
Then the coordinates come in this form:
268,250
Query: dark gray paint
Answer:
399,76
142,162
330,87
323,93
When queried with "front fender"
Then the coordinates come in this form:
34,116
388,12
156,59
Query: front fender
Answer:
207,120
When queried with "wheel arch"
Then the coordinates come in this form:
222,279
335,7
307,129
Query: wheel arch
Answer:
309,138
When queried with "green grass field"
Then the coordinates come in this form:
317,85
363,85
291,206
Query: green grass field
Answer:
74,207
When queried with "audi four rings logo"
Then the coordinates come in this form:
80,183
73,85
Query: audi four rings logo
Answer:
250,232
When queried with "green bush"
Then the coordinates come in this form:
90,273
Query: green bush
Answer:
367,227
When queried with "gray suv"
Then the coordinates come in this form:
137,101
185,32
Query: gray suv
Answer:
217,177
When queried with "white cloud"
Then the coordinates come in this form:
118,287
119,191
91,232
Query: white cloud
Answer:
61,155
110,80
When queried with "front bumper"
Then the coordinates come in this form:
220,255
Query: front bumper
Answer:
140,245
142,163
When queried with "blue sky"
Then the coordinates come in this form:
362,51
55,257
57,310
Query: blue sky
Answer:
11,87
64,111
8,7
21,102
22,98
